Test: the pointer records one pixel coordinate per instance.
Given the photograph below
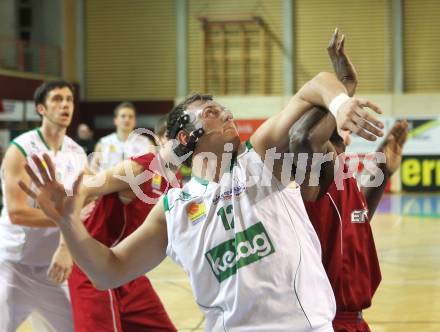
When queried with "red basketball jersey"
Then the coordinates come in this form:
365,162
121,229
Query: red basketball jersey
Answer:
153,188
134,306
106,222
349,256
111,220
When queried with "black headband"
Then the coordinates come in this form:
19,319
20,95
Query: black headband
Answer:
194,135
178,125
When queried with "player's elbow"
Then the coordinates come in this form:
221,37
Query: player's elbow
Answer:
302,144
323,75
105,278
101,284
16,217
321,79
103,281
299,142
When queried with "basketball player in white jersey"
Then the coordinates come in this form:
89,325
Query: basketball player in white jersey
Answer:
28,239
245,241
118,146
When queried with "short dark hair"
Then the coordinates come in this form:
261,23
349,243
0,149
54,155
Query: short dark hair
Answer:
43,90
124,104
175,115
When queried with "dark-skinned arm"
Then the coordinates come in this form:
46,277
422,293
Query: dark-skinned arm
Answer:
310,135
342,65
373,195
392,148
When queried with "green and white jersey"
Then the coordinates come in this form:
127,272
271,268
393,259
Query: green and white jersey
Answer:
251,253
36,245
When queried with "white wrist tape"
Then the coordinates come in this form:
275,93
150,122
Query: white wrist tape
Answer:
336,103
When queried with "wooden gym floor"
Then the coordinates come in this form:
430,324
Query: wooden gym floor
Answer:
407,233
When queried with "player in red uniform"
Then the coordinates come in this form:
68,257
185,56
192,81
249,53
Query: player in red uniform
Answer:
135,306
341,218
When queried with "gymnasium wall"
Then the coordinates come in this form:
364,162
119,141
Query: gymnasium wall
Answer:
269,11
7,18
421,46
7,28
130,50
131,55
367,26
70,40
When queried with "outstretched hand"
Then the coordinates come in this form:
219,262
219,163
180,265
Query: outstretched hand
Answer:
392,145
353,116
342,65
50,195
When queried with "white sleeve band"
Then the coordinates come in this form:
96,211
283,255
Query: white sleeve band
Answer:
336,103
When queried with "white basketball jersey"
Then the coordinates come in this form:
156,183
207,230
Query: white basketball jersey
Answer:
252,256
113,150
36,245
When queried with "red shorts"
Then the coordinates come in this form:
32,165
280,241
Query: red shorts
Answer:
132,307
350,322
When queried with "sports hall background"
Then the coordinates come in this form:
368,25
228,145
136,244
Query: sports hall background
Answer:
253,55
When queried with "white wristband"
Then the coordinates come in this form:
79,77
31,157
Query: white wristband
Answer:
336,103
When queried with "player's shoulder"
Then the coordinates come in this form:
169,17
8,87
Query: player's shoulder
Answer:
247,158
19,150
146,160
175,197
191,191
26,136
108,138
246,150
25,143
143,138
71,146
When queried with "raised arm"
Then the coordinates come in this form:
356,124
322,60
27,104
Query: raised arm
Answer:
310,135
106,267
110,180
392,147
103,183
320,91
341,63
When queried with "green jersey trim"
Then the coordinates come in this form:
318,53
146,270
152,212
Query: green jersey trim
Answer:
40,134
183,196
166,205
201,181
249,145
20,148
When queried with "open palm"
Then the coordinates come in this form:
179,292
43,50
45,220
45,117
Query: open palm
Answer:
392,145
51,195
